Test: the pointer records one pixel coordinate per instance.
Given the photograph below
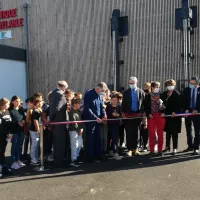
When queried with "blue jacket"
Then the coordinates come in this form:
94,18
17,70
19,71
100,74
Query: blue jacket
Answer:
90,111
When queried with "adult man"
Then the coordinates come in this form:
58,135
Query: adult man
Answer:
93,110
131,106
57,113
191,97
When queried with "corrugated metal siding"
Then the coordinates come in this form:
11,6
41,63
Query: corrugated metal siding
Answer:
70,39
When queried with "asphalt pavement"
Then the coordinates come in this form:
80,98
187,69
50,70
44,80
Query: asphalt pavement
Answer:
158,178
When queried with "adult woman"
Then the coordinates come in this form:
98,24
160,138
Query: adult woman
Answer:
172,101
18,121
5,123
154,109
143,128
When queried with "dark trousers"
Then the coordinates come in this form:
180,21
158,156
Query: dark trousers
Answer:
121,134
113,129
3,144
174,137
26,142
67,146
188,124
93,140
143,136
132,128
47,142
59,142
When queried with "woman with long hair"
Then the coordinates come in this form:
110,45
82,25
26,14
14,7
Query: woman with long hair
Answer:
5,124
18,120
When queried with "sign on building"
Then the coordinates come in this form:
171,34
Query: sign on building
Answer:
5,35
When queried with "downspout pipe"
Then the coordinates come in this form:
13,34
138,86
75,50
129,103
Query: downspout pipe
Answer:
26,30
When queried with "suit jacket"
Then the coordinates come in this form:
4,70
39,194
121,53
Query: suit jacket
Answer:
90,105
57,106
187,99
127,101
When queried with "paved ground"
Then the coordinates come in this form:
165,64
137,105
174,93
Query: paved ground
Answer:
161,178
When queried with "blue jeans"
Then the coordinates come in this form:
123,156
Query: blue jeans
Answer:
16,149
113,129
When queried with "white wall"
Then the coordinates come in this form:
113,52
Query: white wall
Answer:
12,79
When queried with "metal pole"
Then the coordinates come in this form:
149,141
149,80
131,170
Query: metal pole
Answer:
185,47
189,47
41,168
25,6
114,62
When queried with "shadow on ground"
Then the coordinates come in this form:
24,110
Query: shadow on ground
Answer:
107,165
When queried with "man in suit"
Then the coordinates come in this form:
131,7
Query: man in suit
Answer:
131,106
57,113
191,97
93,110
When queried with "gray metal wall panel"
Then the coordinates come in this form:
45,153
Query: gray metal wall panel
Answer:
70,39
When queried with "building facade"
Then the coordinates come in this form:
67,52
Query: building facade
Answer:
71,40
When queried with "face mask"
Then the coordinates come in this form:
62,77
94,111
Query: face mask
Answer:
101,93
156,90
170,87
191,86
132,86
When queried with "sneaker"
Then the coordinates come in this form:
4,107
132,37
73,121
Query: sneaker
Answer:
15,165
123,145
137,153
111,153
129,153
20,163
50,158
74,164
196,152
145,149
34,163
116,156
6,171
174,152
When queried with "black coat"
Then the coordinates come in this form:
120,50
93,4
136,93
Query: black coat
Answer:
173,104
127,101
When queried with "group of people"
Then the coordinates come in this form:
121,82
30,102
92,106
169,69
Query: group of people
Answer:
143,114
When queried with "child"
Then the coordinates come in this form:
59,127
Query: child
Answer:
78,95
5,123
113,112
18,121
29,110
121,126
35,132
75,131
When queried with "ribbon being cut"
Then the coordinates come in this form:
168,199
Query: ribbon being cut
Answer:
126,117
